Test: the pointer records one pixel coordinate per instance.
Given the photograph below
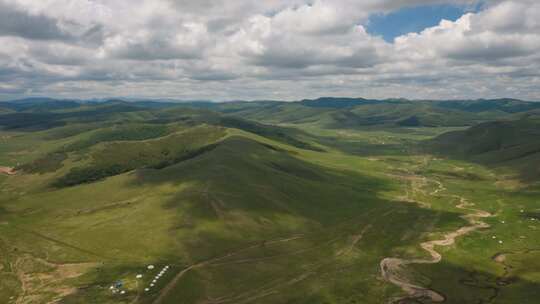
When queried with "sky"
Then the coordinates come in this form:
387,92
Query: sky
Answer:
413,19
271,49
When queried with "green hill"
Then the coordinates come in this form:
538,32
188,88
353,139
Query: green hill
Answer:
336,113
337,103
507,105
267,202
327,112
181,192
110,139
513,144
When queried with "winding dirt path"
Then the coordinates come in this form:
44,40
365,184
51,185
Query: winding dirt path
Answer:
393,269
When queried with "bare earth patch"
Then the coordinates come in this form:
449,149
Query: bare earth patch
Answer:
500,258
46,283
7,170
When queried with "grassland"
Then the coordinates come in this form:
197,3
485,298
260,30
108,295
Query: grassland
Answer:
249,213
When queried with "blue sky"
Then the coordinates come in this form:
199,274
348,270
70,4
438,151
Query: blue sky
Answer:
413,19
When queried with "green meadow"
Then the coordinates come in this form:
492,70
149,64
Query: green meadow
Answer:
296,210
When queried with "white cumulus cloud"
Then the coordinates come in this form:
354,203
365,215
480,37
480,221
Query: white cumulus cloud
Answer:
244,49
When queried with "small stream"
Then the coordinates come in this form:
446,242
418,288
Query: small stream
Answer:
393,269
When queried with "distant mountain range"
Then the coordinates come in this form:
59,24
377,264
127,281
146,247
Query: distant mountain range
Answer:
328,112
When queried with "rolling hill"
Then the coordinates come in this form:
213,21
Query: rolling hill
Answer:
175,187
338,113
327,112
326,201
509,143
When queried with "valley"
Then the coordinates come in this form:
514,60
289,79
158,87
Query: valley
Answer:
270,152
248,203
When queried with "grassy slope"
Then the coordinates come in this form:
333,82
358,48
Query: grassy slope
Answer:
305,226
247,190
358,113
468,273
513,144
